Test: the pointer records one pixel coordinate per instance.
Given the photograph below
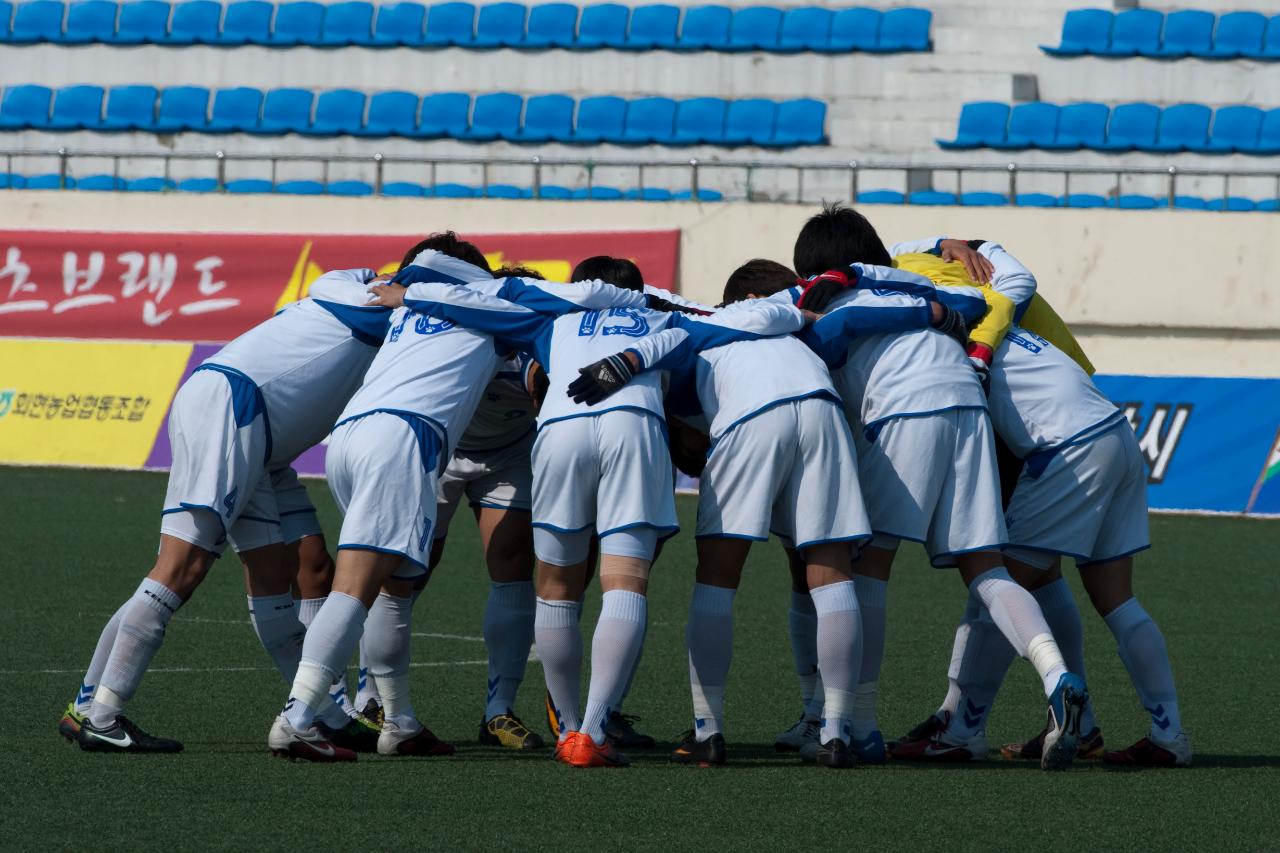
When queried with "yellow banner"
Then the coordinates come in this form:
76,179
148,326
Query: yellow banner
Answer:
85,403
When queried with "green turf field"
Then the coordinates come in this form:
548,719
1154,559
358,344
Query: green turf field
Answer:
76,543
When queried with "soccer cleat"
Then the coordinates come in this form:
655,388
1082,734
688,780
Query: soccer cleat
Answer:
71,722
1062,730
372,712
359,735
587,753
802,731
940,750
704,753
1089,748
564,748
508,730
1151,753
621,733
869,750
922,732
422,742
306,744
835,754
553,719
123,735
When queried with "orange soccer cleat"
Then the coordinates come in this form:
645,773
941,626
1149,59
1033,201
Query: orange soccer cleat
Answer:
586,753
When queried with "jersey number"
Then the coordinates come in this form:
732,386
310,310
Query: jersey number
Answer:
636,327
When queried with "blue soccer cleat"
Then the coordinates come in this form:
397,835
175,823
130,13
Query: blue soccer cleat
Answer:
870,750
1066,708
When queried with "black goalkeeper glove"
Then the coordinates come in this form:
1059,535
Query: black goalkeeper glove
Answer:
657,303
600,379
820,290
953,325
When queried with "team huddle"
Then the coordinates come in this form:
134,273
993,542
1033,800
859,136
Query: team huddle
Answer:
921,392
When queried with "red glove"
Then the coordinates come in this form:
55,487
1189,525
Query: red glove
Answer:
980,356
820,290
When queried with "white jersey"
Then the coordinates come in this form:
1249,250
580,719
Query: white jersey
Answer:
676,299
504,416
302,365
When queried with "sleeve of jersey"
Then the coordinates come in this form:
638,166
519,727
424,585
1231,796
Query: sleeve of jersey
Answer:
761,317
909,247
1012,289
479,311
344,287
556,299
830,336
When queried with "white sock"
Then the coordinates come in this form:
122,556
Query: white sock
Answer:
275,621
366,688
508,635
1060,612
1142,648
982,667
952,700
709,636
802,623
872,600
387,635
559,640
635,667
839,655
614,647
308,608
327,646
98,663
1016,614
142,623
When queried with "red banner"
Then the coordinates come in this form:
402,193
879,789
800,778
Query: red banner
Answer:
212,287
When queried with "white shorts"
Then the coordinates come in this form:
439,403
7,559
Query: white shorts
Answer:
382,472
218,486
1089,502
791,470
502,479
934,479
297,514
610,471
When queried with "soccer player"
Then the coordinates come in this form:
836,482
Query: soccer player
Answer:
248,410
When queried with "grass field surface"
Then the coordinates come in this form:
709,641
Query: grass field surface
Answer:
76,544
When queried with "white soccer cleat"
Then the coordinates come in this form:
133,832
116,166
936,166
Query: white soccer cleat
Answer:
307,744
395,740
794,739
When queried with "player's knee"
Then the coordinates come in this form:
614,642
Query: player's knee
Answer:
315,568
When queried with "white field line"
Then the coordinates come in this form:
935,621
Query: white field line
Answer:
245,622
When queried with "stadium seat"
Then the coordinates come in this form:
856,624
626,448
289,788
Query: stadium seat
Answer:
9,181
454,191
1268,135
1035,200
130,108
25,106
805,28
983,199
149,185
1087,200
36,21
800,122
235,110
554,192
1239,34
1233,204
602,25
194,22
89,21
249,185
643,194
399,24
931,197
751,121
285,111
348,23
182,108
904,29
600,119
52,181
1081,125
444,114
391,114
1234,129
546,118
703,195
1270,41
597,194
705,28
1186,33
1136,32
6,18
1032,125
198,185
297,23
1189,202
500,25
338,113
551,25
100,183
1134,202
1084,31
652,28
854,29
755,28
246,22
450,24
404,189
142,22
649,120
507,191
1132,128
1270,205
495,116
982,123
77,108
881,197
300,188
699,120
1183,127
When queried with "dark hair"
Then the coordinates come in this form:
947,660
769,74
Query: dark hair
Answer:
619,272
447,243
835,238
518,272
758,277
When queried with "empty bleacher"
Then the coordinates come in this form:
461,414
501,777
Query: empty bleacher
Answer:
1188,33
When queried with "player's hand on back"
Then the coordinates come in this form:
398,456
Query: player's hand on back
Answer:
388,295
602,378
951,323
978,267
821,290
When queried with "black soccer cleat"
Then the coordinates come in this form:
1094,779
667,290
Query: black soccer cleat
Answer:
619,730
706,753
835,754
358,735
123,735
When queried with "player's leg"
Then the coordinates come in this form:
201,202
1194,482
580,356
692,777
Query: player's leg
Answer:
802,627
839,640
619,726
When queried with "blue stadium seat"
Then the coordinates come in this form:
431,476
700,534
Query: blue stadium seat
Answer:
182,108
1082,125
1035,200
1083,31
500,25
338,113
399,24
546,118
25,106
642,194
100,183
1186,33
391,114
450,24
300,188
652,28
286,111
77,108
982,123
1238,34
52,181
1268,135
1234,129
703,195
881,197
805,28
699,120
983,199
130,108
551,25
931,197
249,185
36,21
347,23
246,22
1032,125
142,22
1136,32
444,114
404,189
194,22
751,121
454,191
1269,204
1086,200
1132,128
597,194
705,28
755,28
1234,204
602,25
1184,127
553,191
904,30
854,29
1134,202
649,120
1270,40
1189,202
495,116
10,181
235,110
149,185
507,191
89,21
600,119
198,185
6,17
296,23
800,122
